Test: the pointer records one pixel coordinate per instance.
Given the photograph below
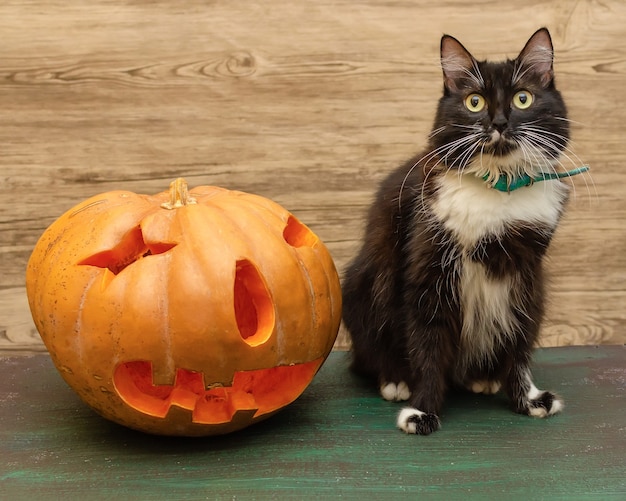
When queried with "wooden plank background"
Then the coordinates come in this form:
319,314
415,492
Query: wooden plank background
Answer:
309,103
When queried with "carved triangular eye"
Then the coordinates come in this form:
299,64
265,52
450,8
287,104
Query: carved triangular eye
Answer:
297,234
131,248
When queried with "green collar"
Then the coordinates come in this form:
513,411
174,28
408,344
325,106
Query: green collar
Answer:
505,185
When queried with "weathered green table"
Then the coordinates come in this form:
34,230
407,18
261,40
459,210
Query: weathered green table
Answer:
337,440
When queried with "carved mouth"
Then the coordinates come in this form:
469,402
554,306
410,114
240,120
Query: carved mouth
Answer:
260,391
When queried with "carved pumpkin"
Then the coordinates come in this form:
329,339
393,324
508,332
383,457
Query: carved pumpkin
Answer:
184,313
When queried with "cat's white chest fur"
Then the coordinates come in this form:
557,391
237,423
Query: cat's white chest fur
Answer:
471,212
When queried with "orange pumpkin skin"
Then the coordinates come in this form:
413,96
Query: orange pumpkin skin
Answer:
196,319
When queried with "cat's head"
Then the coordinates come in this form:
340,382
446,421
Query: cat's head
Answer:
500,118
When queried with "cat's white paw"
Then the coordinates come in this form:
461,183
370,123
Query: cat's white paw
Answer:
395,392
541,403
415,422
545,404
484,387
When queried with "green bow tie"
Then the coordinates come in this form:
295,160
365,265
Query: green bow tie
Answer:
507,184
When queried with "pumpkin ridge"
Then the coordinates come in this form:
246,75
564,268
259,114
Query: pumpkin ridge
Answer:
260,213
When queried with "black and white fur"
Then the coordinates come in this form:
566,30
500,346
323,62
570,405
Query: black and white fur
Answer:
448,287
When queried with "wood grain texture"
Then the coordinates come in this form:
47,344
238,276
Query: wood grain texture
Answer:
337,440
307,103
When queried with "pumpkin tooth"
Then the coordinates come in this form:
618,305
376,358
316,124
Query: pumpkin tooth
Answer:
163,374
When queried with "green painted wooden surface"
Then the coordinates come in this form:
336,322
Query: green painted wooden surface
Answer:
337,440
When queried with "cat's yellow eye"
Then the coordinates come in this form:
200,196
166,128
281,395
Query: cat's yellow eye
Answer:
475,102
522,99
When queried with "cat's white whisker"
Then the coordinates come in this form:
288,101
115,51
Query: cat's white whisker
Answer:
439,130
442,154
569,120
554,144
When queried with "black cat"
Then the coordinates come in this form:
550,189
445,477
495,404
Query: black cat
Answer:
448,287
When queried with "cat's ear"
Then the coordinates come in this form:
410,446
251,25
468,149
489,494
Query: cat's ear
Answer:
456,62
537,56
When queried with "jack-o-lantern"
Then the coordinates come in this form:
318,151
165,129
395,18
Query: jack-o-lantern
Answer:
187,312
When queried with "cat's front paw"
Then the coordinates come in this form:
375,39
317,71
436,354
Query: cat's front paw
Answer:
544,404
415,422
395,392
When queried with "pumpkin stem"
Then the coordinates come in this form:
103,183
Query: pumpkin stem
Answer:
179,195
